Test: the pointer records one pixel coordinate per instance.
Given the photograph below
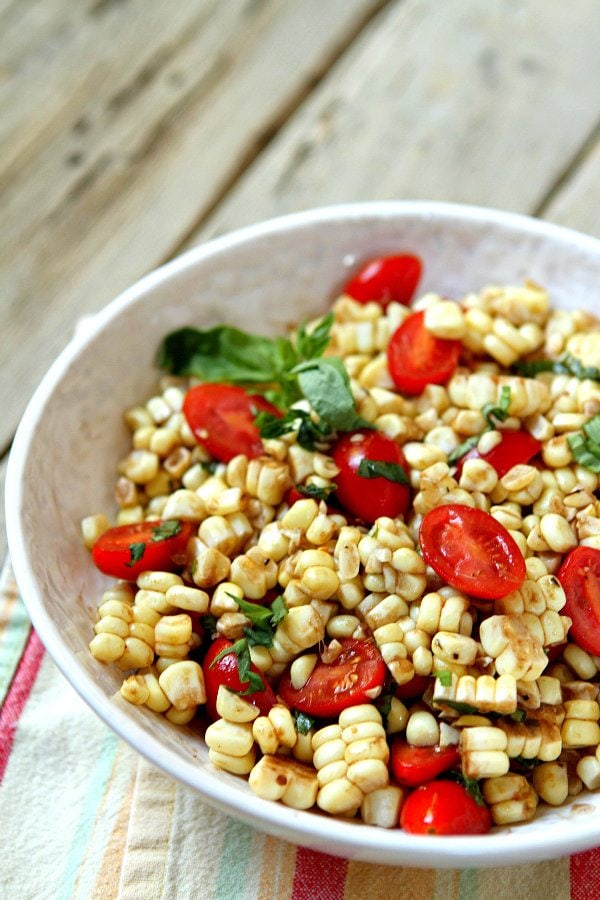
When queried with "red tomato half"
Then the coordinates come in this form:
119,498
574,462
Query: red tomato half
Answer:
369,498
416,687
385,279
444,807
221,417
416,765
580,578
116,552
226,672
515,448
417,358
335,686
471,551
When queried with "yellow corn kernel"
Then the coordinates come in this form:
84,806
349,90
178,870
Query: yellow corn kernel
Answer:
277,778
183,684
237,765
106,647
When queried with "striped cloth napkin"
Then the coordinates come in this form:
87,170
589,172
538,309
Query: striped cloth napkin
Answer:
83,816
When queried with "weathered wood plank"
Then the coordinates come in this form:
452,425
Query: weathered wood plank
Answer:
128,123
576,203
474,102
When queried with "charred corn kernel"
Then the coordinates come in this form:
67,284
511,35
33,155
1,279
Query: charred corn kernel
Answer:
137,417
368,774
483,751
92,528
107,647
143,632
173,629
135,690
153,600
277,778
303,626
172,651
445,319
581,662
157,700
588,769
510,798
302,749
382,806
192,599
209,567
224,598
254,572
342,626
185,505
216,532
180,716
230,738
183,684
478,475
397,717
422,729
283,725
273,542
550,690
140,466
339,797
557,533
580,727
331,771
157,581
137,655
551,782
233,708
112,625
454,648
265,735
301,670
508,640
237,765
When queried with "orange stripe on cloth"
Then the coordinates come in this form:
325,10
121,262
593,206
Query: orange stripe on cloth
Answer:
107,880
318,876
386,882
277,870
585,875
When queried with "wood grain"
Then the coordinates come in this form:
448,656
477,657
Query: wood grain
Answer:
125,122
575,202
482,103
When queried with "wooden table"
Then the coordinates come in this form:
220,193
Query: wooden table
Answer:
133,129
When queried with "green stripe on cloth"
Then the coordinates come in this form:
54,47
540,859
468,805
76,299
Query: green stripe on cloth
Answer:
97,784
467,885
235,857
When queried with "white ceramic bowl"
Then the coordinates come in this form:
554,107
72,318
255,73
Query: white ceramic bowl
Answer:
261,278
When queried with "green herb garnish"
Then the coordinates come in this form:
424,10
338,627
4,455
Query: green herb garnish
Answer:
136,551
375,468
316,491
470,784
519,715
444,677
309,432
302,722
463,708
566,365
165,530
491,414
586,447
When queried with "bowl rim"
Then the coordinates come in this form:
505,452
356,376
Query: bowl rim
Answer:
337,836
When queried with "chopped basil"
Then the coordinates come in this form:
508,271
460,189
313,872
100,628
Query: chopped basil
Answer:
464,709
279,610
326,386
209,623
519,715
136,551
375,468
491,413
210,466
165,530
241,649
586,447
444,677
471,785
500,412
566,365
523,763
312,344
264,621
384,703
309,433
302,721
316,491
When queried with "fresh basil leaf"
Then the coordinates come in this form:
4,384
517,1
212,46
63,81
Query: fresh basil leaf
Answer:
592,429
384,703
584,452
302,722
136,551
309,433
226,354
236,649
471,785
279,610
566,365
375,468
499,412
210,466
464,709
523,763
317,492
255,684
519,715
165,530
463,449
444,677
326,386
209,624
244,663
312,344
253,611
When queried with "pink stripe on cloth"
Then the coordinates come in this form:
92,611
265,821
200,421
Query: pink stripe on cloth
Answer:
585,875
16,697
318,876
